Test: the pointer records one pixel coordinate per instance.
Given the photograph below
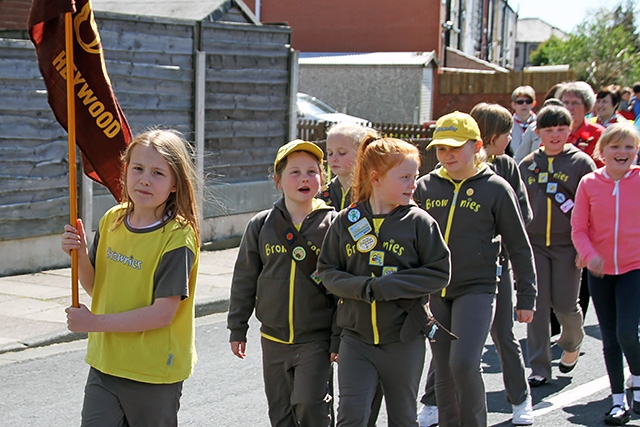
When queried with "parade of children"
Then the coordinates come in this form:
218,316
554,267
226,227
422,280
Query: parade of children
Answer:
141,273
605,232
525,218
473,206
275,275
382,257
551,175
343,140
495,124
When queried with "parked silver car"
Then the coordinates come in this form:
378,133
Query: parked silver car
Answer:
311,108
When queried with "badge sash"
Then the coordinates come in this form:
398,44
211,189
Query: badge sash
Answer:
299,248
419,318
555,190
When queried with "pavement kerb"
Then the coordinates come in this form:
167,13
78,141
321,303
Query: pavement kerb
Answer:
203,307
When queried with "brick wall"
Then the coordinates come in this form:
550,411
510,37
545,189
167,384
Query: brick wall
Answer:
357,25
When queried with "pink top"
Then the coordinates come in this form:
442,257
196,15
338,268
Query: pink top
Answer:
605,220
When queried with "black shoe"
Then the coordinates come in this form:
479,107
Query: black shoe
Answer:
536,380
565,367
617,416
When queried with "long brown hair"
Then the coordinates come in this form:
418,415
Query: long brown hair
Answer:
493,120
181,204
379,155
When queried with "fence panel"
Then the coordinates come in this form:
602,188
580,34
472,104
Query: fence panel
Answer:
499,83
419,135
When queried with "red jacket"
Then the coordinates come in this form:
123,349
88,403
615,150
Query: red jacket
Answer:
586,137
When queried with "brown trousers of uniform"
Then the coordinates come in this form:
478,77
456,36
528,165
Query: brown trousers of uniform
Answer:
558,288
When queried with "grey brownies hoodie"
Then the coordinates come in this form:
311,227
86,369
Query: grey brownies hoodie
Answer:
473,214
332,195
366,307
288,304
507,168
551,226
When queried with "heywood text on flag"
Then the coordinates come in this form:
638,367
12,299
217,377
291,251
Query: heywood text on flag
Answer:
104,119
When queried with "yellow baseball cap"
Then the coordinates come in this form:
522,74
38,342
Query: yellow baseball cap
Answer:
455,129
297,145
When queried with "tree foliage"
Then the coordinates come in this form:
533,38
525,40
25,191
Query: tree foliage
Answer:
603,49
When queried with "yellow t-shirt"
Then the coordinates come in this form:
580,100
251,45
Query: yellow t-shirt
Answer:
132,268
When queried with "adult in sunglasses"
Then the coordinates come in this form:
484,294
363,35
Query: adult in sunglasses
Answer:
523,99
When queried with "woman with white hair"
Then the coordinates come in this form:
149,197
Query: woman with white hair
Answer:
579,98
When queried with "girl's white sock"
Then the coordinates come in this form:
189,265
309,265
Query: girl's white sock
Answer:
619,399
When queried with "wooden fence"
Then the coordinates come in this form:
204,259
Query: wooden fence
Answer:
499,83
461,91
419,135
151,64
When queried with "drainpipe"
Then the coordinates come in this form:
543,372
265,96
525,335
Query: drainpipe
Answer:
258,7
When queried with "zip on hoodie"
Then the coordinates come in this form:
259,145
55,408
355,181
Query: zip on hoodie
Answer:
549,206
616,194
292,280
377,223
452,209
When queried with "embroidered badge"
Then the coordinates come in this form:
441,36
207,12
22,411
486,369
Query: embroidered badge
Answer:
353,215
388,270
289,235
567,206
315,277
298,253
533,166
366,243
376,258
560,198
543,177
552,187
360,229
470,192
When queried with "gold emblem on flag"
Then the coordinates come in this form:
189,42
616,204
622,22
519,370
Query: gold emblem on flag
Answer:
85,14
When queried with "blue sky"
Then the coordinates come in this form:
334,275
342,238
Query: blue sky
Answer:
564,14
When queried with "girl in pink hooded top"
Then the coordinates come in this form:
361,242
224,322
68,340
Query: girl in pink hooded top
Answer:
605,233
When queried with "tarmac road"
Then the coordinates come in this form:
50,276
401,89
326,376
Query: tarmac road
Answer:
43,386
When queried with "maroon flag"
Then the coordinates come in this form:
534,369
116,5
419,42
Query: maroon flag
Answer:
101,128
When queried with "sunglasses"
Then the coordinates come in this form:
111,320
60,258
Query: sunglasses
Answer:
524,101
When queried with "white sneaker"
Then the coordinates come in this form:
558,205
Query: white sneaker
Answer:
523,413
428,416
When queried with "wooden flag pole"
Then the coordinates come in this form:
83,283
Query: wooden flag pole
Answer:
71,132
